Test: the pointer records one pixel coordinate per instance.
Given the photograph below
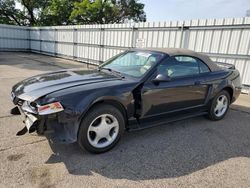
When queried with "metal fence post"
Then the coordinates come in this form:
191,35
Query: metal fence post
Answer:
181,40
134,36
75,43
101,45
55,42
185,37
29,39
40,40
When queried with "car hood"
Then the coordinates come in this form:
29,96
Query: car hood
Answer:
35,87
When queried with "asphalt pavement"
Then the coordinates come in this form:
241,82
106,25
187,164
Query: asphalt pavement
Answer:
191,153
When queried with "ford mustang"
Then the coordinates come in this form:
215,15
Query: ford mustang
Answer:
136,89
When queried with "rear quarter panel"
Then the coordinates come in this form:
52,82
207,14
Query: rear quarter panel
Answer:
226,78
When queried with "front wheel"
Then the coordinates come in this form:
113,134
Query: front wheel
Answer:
101,128
219,106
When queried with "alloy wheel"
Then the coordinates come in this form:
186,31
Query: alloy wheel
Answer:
221,106
103,130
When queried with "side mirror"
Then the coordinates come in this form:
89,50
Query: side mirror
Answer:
161,78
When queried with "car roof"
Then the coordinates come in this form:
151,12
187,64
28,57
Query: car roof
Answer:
182,51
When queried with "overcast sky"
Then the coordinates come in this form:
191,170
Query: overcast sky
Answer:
162,10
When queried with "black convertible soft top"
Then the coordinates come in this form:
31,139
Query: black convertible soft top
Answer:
181,51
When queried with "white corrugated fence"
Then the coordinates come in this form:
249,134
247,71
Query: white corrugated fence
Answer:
225,40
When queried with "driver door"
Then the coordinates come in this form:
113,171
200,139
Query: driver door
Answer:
185,88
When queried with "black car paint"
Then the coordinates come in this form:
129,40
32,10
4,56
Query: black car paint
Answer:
44,84
142,102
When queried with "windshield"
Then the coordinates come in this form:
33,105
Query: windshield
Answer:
133,63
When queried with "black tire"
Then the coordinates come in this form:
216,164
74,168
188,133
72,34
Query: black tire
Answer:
211,113
95,112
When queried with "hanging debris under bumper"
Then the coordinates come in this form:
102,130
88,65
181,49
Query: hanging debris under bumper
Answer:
30,121
56,127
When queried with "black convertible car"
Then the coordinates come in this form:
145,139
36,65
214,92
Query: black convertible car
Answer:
136,89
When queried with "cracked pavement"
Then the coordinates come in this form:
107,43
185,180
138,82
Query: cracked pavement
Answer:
190,153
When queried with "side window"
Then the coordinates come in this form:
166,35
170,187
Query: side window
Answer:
179,66
203,68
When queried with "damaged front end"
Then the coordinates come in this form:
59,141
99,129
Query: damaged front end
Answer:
47,119
29,113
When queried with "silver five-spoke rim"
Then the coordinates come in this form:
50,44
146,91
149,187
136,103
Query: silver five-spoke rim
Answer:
221,106
103,130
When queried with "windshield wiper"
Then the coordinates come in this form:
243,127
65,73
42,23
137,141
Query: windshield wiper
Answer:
112,71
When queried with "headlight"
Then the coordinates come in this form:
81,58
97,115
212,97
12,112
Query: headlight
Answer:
29,107
50,108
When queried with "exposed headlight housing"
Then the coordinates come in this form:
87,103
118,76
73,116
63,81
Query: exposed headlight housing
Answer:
50,108
29,107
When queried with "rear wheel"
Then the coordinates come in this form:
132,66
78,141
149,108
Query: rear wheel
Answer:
101,128
219,106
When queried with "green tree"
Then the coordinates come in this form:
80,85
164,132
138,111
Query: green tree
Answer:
64,12
57,12
29,14
107,11
32,10
9,14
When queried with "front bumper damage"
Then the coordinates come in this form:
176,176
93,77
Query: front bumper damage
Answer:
58,127
31,121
